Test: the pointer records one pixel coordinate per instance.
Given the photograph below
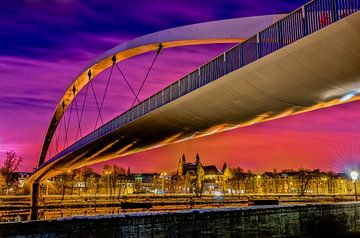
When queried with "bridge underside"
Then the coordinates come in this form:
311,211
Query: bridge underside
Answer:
314,72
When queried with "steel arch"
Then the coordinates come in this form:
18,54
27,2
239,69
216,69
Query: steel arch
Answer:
224,31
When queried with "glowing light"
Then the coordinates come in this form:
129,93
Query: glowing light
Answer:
354,175
347,97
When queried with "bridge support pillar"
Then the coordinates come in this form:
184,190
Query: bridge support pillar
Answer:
35,195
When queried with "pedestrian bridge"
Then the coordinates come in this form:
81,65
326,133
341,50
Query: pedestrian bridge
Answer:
284,65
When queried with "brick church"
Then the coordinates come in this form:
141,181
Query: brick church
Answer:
194,177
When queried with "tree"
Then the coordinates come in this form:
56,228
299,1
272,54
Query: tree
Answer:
199,179
11,163
137,187
315,176
121,183
250,182
73,175
331,182
112,174
3,184
237,176
88,176
61,182
304,177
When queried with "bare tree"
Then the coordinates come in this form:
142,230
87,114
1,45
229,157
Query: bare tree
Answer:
11,163
88,178
137,187
305,177
238,176
61,182
250,182
3,184
331,182
73,176
111,175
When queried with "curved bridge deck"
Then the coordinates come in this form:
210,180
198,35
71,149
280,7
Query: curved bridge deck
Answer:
298,64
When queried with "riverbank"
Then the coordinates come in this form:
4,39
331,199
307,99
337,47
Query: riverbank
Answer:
53,207
310,220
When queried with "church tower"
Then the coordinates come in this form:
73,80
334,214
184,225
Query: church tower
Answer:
181,165
197,158
226,171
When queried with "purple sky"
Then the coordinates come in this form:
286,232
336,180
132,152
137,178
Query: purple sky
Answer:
45,44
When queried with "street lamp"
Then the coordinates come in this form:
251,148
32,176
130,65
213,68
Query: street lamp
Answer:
107,172
354,176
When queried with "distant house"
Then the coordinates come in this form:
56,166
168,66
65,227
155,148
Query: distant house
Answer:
20,178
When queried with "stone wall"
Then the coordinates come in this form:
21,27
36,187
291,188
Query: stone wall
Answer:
266,221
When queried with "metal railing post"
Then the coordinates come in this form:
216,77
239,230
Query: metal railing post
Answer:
241,57
304,20
258,46
334,11
280,34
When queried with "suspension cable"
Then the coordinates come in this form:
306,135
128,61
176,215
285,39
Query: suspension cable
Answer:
78,117
82,111
58,137
127,82
99,108
148,72
64,119
67,126
96,101
106,88
77,112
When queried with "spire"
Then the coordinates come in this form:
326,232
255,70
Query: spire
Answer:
197,158
181,164
128,171
225,166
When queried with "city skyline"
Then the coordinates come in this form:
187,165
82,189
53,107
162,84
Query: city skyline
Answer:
37,70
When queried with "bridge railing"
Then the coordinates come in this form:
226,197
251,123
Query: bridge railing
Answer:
307,19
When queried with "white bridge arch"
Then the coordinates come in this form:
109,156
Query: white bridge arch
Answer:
224,31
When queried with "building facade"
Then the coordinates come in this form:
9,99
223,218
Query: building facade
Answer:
194,177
